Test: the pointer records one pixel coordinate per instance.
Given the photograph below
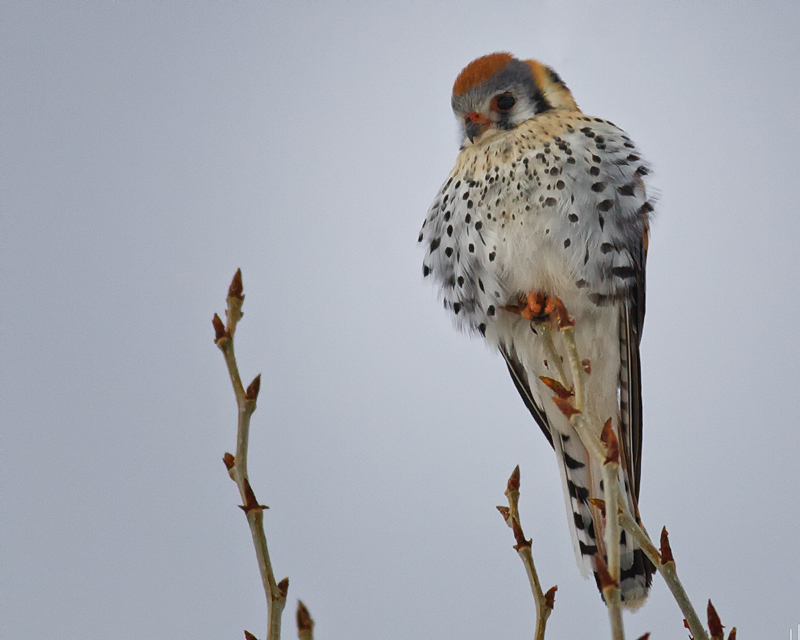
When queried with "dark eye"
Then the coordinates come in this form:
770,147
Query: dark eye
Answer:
504,102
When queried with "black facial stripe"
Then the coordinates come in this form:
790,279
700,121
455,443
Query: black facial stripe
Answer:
505,121
539,102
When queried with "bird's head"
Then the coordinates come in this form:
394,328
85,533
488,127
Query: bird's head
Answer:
497,92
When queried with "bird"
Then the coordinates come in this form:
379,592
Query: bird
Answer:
544,203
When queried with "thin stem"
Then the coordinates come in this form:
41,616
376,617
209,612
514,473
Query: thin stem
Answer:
589,438
544,601
237,465
610,468
547,338
612,533
575,367
612,536
615,613
542,610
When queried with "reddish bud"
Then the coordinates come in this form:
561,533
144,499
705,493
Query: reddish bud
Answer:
732,634
505,512
606,580
249,636
304,620
646,636
519,536
236,288
513,481
557,312
587,367
550,597
253,389
219,328
556,387
566,406
666,550
600,504
283,586
229,460
250,502
714,624
609,438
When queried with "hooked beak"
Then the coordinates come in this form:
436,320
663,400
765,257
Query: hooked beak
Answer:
475,124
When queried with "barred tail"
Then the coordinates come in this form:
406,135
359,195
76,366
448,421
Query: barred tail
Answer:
581,481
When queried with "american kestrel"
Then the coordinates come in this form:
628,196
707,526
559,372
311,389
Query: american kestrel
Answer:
548,201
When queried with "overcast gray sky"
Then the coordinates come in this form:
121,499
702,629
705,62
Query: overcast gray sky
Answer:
149,149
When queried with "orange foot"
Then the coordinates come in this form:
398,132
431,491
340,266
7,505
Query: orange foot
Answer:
539,307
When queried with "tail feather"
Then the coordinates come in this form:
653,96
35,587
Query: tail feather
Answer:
582,481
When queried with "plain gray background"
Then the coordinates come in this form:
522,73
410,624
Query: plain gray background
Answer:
149,149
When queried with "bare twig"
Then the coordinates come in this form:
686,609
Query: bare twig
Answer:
606,452
237,464
612,533
544,601
610,590
547,339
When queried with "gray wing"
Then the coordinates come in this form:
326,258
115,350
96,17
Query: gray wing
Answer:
631,325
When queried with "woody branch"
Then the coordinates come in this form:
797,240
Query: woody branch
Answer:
237,464
544,601
572,402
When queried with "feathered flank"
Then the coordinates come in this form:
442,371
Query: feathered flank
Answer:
479,70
